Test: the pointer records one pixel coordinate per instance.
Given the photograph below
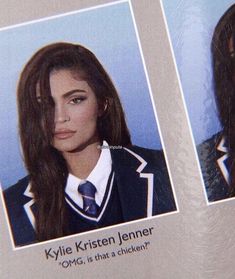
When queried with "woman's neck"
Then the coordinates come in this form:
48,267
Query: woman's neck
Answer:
81,163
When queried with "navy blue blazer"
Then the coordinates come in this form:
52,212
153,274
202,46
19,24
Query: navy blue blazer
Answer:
215,165
143,186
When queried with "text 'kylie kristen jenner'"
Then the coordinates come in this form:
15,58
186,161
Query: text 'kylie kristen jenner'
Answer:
79,246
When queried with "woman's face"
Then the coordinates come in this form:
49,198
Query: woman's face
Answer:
76,112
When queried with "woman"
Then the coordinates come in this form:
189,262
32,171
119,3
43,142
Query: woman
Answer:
217,153
83,171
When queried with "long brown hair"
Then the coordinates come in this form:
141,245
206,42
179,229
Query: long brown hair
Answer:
223,57
46,167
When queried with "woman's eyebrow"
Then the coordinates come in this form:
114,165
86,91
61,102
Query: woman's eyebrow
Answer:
71,92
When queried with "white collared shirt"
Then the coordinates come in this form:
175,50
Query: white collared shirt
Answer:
98,177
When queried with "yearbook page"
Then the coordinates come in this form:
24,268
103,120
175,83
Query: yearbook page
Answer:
116,139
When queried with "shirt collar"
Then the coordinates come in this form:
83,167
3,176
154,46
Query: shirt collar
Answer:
99,177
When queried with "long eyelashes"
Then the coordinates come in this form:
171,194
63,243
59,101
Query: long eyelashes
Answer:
49,101
77,100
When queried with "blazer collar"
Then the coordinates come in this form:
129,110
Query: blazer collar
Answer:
29,206
135,187
223,161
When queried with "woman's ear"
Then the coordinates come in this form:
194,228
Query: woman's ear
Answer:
103,108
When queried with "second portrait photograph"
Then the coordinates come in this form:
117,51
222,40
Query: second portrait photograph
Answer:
204,53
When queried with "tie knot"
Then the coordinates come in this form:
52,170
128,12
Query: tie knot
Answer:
87,189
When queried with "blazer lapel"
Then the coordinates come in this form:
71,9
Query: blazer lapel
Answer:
223,161
29,206
135,187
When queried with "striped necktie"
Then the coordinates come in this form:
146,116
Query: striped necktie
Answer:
87,190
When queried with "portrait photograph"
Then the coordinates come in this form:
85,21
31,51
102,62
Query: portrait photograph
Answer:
204,53
80,145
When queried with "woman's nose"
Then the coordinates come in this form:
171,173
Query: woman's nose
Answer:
61,115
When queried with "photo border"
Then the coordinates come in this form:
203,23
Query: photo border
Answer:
208,203
15,248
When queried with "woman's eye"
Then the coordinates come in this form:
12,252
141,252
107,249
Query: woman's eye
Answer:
77,100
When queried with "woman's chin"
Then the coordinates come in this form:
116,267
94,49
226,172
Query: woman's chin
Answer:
68,148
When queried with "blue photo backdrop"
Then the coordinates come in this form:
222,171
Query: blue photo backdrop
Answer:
191,25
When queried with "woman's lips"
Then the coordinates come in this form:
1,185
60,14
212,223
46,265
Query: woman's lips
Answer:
64,134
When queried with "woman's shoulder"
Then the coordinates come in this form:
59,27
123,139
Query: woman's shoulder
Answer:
151,155
18,201
144,150
215,165
16,192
